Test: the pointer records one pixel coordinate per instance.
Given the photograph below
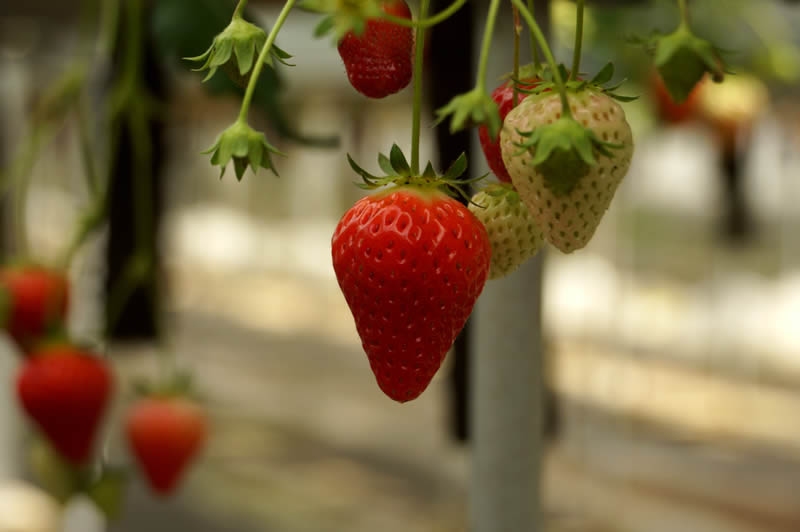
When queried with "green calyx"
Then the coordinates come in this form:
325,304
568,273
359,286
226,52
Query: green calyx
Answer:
563,152
236,49
343,16
105,485
179,384
504,191
601,82
246,147
682,59
472,108
398,172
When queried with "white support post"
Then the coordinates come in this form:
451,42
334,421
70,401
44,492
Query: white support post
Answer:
507,411
507,387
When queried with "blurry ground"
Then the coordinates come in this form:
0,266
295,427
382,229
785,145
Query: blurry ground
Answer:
304,441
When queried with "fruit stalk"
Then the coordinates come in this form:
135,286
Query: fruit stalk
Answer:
428,22
534,50
576,53
517,31
537,32
487,42
251,86
418,61
237,13
684,13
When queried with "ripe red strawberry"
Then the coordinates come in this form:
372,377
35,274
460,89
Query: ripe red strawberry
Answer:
513,233
570,219
379,61
165,434
65,390
503,96
411,262
37,301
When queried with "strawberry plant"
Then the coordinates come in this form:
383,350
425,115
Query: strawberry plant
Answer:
411,259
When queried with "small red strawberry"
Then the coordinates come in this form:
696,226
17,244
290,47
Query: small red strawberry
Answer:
411,262
65,390
504,98
37,300
165,434
379,61
566,196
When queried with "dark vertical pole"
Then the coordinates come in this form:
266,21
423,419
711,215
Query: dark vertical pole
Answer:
138,316
737,222
451,72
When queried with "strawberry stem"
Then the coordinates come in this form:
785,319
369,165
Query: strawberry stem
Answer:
251,86
487,42
428,22
237,13
517,31
576,53
534,50
562,88
684,13
418,61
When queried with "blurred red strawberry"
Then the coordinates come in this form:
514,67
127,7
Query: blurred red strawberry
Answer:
37,300
65,390
165,433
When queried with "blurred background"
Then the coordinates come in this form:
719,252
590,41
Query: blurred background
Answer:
672,342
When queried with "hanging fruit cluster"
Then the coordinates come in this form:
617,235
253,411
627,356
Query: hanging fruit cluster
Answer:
65,389
411,261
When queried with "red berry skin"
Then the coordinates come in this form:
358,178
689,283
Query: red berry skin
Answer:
165,434
503,96
411,263
65,391
379,61
38,300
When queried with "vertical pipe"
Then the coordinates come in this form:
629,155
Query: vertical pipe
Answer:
507,411
508,394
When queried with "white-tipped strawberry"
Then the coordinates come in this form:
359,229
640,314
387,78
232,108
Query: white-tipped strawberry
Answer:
513,233
567,170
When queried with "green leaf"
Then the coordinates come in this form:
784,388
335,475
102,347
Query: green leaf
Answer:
385,164
458,167
471,109
360,171
398,160
429,172
244,56
605,75
108,492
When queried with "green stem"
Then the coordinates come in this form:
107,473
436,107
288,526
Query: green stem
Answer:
418,63
684,13
92,221
487,42
534,50
109,24
86,149
428,22
517,31
237,13
251,86
576,53
562,88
